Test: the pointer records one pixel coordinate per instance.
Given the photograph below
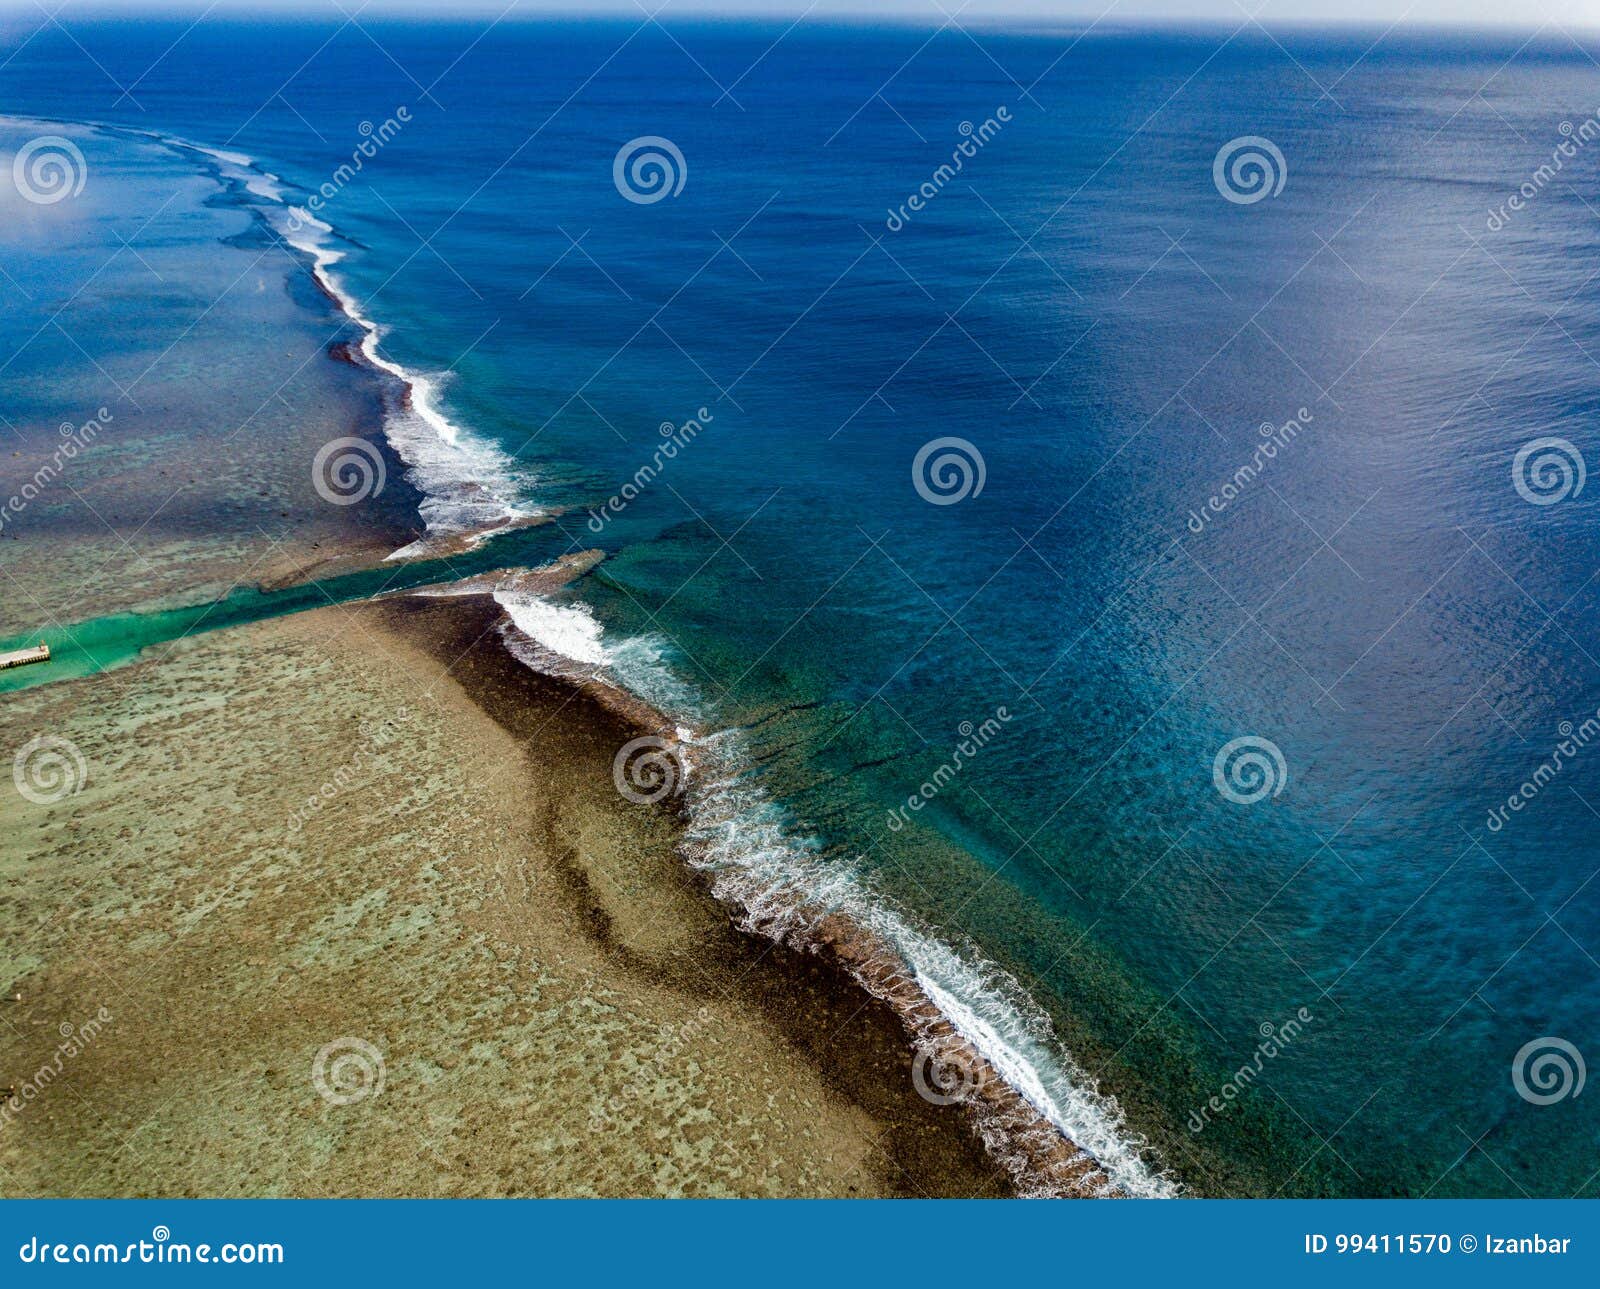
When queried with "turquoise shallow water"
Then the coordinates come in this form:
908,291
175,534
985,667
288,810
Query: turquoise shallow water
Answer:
1086,309
84,648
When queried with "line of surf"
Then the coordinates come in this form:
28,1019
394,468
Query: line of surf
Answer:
1039,1113
979,1037
470,488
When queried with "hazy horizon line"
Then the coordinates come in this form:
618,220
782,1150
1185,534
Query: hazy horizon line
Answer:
918,13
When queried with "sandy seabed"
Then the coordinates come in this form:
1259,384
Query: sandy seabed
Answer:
348,904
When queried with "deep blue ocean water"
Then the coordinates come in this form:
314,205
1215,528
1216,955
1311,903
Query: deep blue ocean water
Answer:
1085,308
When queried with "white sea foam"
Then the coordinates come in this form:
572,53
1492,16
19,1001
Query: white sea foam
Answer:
757,859
220,154
308,235
643,665
759,862
992,1016
567,630
470,488
468,485
239,167
265,184
566,639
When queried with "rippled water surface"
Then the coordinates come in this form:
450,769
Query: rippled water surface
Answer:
1182,688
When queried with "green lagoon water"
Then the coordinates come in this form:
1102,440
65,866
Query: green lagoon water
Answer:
1107,332
86,647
